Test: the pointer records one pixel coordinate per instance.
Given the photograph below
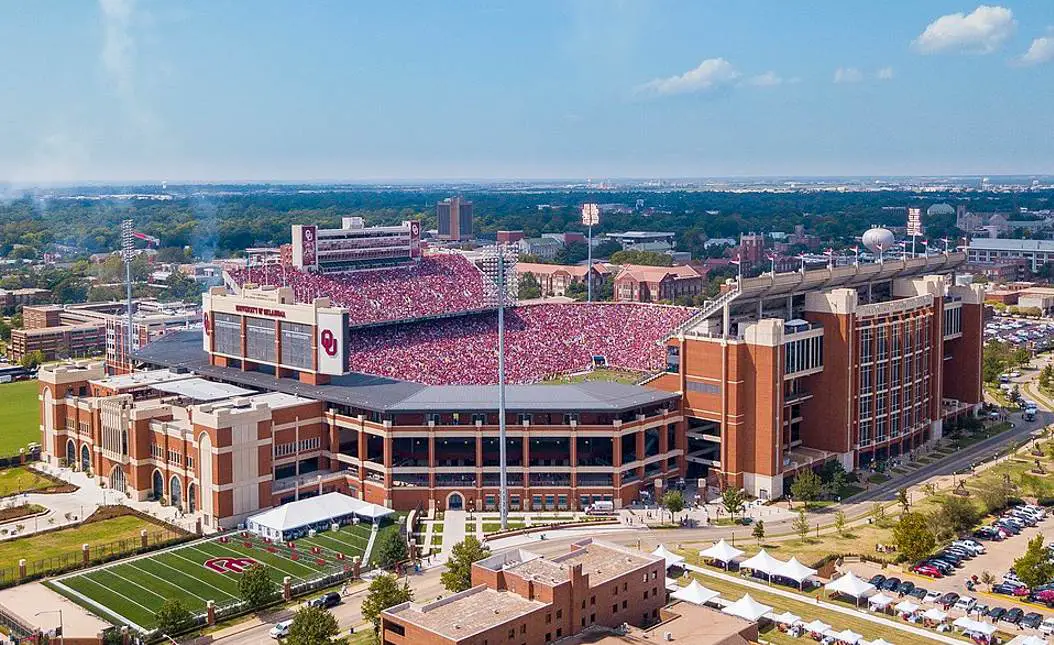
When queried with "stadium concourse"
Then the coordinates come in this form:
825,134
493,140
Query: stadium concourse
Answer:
438,285
541,341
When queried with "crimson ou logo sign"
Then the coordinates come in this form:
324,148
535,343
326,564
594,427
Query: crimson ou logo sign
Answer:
329,342
415,228
229,565
205,322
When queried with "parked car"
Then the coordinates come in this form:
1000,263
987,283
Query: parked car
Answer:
927,569
918,593
965,604
906,588
878,580
281,630
1008,589
890,584
1047,626
972,546
1014,616
1045,596
331,599
946,568
995,613
932,596
1031,620
949,599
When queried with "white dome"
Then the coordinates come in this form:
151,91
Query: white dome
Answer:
878,239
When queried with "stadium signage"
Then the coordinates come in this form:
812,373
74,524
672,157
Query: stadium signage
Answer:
229,565
259,311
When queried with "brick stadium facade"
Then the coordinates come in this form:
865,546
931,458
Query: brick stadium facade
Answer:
773,377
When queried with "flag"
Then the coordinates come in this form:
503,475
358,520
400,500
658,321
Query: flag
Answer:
854,249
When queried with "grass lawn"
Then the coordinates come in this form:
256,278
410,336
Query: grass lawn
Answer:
494,527
19,416
135,589
601,374
21,479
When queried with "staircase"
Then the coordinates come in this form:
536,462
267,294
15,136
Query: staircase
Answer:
709,308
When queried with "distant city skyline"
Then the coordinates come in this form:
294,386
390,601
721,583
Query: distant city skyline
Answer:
136,90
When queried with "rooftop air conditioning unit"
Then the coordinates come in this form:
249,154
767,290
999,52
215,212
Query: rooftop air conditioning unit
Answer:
667,636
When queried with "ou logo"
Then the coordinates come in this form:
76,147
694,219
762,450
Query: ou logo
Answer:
229,565
205,323
329,342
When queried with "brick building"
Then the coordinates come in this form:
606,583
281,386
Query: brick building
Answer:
554,279
639,283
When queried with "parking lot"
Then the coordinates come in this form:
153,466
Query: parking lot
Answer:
997,560
1034,334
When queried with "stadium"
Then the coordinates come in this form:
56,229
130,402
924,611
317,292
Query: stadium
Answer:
380,384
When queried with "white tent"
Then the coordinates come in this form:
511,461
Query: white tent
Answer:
672,559
762,562
318,512
816,627
795,571
880,601
1027,640
786,618
671,585
695,593
721,551
747,608
974,626
935,614
847,636
905,607
850,585
879,641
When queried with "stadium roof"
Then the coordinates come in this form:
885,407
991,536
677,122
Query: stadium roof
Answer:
183,350
988,244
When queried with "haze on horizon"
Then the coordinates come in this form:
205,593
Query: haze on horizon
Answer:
140,90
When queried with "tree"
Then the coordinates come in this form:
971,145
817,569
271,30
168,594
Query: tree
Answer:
801,525
902,497
256,586
987,579
173,617
33,359
649,258
957,513
458,574
673,500
733,500
1046,377
384,592
759,531
529,287
839,522
1034,567
913,536
878,513
806,486
313,625
606,248
389,550
572,253
70,291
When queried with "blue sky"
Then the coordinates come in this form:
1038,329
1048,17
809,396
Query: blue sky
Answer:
231,90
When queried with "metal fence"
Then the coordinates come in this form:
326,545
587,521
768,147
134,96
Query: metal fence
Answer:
11,461
97,554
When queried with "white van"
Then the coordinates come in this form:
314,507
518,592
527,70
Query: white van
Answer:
601,508
281,630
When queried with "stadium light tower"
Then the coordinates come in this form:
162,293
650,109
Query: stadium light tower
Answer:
127,248
590,217
499,265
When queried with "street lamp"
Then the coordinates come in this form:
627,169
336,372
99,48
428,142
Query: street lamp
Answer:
590,217
62,635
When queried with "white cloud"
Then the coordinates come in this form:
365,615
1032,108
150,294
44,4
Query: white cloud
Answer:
981,31
884,74
848,75
768,79
1041,51
119,59
711,74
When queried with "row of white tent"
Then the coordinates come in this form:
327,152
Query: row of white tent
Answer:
763,562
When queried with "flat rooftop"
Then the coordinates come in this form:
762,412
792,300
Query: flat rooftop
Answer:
150,378
467,613
686,623
604,561
202,390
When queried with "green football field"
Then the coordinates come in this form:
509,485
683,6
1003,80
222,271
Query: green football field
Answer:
19,416
131,591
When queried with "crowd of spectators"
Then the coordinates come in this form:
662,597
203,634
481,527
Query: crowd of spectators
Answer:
540,341
437,285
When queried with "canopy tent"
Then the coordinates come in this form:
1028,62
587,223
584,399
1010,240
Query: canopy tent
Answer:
935,614
786,618
816,627
879,641
850,585
847,636
762,562
295,519
672,559
1027,640
671,585
906,607
794,570
880,601
747,608
695,593
974,626
721,551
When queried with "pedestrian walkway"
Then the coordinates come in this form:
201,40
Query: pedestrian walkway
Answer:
770,589
453,529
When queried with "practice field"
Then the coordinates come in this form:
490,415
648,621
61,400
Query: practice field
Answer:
131,591
19,416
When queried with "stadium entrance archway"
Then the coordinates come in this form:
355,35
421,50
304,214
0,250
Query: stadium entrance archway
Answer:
455,502
71,454
85,457
117,479
175,491
192,495
157,484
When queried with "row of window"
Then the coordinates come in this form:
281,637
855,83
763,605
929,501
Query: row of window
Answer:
284,449
878,342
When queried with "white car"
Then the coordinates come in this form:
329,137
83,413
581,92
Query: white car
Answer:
932,596
965,604
281,630
1047,627
969,545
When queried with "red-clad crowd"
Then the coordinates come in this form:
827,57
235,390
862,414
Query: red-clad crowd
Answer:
540,341
437,285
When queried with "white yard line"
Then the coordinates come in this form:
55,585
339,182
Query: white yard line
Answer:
170,584
103,609
134,584
191,576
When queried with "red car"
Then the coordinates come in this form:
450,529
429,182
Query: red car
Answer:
927,570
